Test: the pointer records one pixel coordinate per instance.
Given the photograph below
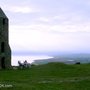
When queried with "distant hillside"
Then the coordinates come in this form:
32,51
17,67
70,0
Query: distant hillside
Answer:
68,59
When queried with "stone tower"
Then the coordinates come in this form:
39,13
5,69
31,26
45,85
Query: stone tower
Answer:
5,51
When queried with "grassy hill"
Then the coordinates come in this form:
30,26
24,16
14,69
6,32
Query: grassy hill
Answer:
52,76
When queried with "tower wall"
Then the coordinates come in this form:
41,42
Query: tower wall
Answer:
5,51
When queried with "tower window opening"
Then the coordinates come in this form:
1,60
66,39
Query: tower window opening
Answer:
4,21
2,47
3,62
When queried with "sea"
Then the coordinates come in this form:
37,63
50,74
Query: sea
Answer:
29,58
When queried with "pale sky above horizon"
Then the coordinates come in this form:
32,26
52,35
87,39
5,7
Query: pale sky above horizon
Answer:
43,26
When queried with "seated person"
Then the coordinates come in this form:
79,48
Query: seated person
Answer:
25,63
20,64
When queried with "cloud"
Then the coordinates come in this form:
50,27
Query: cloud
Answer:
20,9
31,41
63,19
65,26
44,19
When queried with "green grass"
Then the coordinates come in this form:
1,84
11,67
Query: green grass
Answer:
52,76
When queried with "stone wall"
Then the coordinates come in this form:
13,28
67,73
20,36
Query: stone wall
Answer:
5,51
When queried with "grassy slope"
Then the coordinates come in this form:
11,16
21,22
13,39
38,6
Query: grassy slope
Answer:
53,76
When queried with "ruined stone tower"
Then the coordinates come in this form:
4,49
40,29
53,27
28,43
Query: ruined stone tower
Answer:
5,52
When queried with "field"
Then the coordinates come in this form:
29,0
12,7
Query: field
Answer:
52,76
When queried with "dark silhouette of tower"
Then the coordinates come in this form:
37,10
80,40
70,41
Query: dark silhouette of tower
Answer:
5,51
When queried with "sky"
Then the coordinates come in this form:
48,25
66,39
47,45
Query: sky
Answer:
48,27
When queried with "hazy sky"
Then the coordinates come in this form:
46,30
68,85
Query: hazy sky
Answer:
45,26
